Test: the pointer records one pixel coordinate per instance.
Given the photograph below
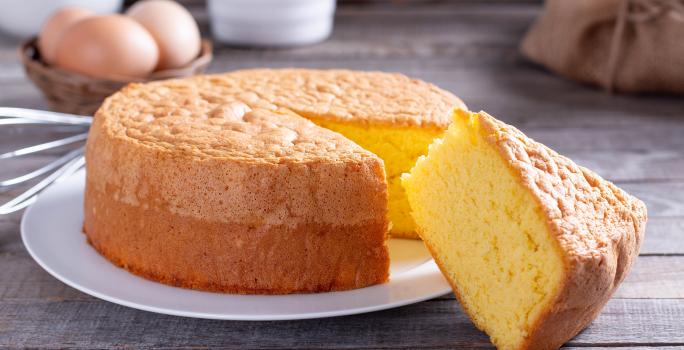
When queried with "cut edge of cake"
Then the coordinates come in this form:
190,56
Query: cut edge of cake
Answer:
399,147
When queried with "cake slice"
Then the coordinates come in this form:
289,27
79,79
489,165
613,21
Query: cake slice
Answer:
532,244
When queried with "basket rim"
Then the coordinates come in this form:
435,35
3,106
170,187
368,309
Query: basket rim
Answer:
203,59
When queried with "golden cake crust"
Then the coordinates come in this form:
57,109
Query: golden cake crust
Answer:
236,258
599,229
371,97
175,172
155,124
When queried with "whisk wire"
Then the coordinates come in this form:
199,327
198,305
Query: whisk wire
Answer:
58,169
42,170
29,196
44,146
45,116
18,121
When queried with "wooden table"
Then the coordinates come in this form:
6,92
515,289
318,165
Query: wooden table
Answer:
635,141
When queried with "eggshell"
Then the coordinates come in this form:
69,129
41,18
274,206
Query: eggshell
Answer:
172,27
112,47
54,27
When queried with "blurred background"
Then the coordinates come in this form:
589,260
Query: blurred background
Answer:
469,47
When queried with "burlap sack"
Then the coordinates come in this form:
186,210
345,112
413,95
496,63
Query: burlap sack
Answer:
623,45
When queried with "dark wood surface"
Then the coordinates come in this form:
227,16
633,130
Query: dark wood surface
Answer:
470,49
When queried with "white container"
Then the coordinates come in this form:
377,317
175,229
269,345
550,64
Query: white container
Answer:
25,18
271,22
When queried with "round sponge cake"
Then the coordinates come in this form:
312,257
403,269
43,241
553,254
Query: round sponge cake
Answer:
243,182
213,193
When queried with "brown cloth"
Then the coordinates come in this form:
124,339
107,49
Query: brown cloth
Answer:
623,45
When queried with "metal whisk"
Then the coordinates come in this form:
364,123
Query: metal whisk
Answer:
54,171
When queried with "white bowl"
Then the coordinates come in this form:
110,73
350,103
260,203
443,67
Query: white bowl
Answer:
271,22
24,18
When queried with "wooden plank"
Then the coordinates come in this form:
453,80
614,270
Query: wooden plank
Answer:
10,240
436,32
23,280
432,324
88,324
663,199
645,138
654,277
628,322
664,236
633,166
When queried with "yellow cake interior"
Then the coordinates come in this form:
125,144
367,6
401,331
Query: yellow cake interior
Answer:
399,147
486,231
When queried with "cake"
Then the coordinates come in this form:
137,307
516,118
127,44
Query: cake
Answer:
259,181
218,195
532,244
389,114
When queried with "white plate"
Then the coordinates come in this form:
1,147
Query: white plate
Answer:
51,231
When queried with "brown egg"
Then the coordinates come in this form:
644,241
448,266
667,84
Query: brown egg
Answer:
112,47
172,27
54,27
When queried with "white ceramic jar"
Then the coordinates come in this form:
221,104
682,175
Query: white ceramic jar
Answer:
25,18
271,22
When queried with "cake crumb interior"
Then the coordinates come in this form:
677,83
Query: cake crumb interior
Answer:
487,232
399,147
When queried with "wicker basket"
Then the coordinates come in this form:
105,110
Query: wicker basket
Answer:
79,94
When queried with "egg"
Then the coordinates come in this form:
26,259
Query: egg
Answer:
112,46
173,28
54,27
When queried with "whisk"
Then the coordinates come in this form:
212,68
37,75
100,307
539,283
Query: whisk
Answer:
52,172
